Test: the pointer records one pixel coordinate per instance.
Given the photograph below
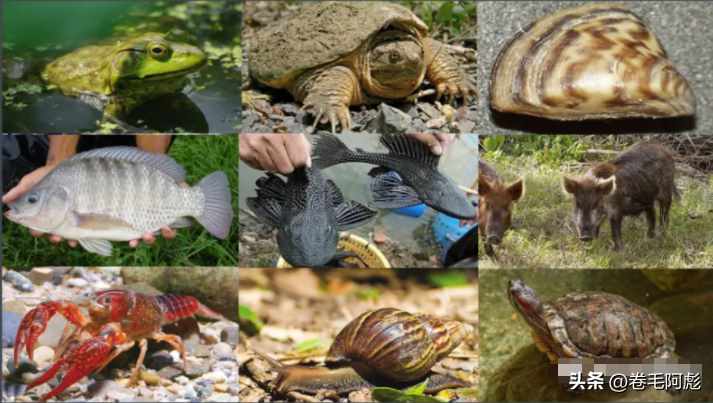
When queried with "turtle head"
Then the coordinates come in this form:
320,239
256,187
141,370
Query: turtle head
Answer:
525,301
395,63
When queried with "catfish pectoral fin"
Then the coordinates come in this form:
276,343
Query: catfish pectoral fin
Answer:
351,214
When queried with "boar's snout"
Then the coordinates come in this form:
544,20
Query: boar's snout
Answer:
495,239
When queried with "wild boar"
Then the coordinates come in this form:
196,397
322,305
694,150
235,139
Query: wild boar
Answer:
495,205
628,185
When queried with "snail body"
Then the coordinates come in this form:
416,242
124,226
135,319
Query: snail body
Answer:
590,62
381,346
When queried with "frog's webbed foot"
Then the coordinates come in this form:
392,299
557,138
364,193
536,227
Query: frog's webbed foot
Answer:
447,76
327,95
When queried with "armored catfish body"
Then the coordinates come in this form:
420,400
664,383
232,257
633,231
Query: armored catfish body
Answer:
415,164
334,54
118,194
308,211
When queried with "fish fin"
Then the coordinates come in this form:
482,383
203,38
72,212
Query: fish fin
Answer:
271,186
98,246
337,196
373,172
268,210
181,222
351,214
403,145
388,191
160,162
328,150
217,211
99,221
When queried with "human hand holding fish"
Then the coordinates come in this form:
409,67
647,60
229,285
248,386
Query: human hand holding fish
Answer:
34,177
276,152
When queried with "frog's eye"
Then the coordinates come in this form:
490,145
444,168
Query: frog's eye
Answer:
158,51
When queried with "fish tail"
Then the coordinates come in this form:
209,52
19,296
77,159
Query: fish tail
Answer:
217,210
329,150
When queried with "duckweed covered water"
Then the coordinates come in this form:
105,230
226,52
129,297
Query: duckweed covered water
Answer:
33,38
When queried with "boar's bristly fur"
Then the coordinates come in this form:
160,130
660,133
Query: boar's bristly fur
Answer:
495,205
628,185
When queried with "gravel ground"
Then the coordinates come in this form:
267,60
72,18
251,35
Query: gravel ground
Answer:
684,29
211,373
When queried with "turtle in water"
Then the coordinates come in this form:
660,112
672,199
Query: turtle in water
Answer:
333,54
592,324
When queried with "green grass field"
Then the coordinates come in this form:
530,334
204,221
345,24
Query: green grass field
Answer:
199,155
543,235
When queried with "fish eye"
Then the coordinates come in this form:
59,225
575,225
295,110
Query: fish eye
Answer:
32,199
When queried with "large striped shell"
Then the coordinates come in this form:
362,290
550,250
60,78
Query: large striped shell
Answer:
590,62
394,344
598,324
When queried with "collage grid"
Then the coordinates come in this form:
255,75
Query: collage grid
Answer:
278,200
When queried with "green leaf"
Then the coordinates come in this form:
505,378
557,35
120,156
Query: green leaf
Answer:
448,279
311,344
386,394
368,294
249,320
417,389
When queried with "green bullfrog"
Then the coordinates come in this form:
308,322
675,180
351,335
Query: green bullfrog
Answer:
121,75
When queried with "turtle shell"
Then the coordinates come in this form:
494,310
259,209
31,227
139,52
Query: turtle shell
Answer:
606,325
320,33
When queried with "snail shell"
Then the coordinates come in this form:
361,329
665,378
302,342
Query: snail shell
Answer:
590,62
394,344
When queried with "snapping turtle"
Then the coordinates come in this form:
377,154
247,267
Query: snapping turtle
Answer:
333,54
592,324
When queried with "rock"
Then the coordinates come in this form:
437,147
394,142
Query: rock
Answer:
221,387
529,376
390,121
190,393
77,282
211,335
436,123
151,377
197,368
220,397
181,380
229,334
380,236
159,360
10,323
203,389
223,351
18,281
429,110
100,285
114,391
176,389
215,377
40,275
44,356
170,372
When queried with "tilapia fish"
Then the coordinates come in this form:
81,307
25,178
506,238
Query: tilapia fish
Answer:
308,211
418,168
118,194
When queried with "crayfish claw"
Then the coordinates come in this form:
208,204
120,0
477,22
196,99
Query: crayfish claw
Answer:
35,322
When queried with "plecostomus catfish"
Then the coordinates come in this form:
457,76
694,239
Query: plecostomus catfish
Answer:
418,168
119,194
308,212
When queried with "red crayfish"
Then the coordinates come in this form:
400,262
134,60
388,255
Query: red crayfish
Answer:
117,320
